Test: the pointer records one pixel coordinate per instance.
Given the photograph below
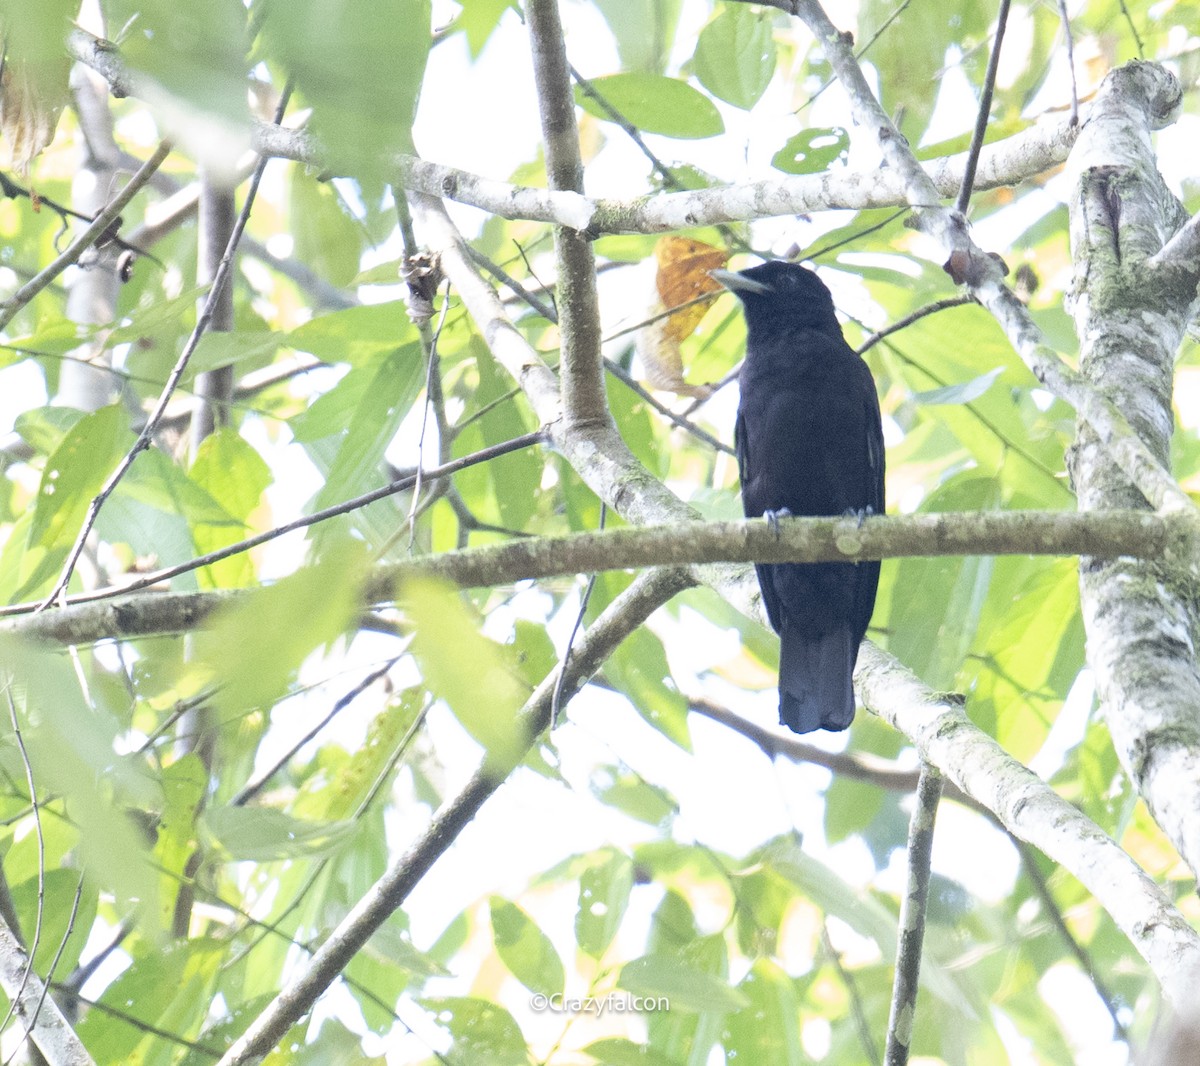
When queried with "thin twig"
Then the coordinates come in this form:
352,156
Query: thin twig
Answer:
1137,37
912,916
1042,888
35,807
857,1010
220,279
155,576
253,788
857,236
99,228
1070,40
916,316
556,705
985,110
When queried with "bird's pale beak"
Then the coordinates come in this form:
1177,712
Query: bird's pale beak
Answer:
739,283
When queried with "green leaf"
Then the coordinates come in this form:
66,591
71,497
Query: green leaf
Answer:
525,949
253,648
603,896
735,55
655,104
328,238
168,990
769,1029
638,668
633,795
813,150
471,673
75,473
196,52
234,474
964,392
643,32
478,19
356,334
385,395
483,1032
617,1051
360,68
244,349
264,834
685,986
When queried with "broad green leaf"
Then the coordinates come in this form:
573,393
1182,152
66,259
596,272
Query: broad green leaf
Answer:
244,349
684,986
264,834
471,673
768,1030
655,104
735,55
57,891
603,896
167,990
252,649
75,473
386,398
813,150
638,667
644,32
197,55
359,67
862,912
525,949
482,1031
235,475
633,795
478,19
618,1051
356,334
327,237
72,748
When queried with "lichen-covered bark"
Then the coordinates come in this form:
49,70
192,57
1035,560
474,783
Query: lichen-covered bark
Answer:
1142,618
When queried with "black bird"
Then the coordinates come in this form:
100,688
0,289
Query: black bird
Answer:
809,442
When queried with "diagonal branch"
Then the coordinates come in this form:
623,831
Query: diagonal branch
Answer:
1031,810
984,275
621,617
100,228
48,1028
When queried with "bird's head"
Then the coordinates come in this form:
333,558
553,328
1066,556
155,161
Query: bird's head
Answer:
783,292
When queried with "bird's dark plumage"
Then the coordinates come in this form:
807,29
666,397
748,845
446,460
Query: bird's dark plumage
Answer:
809,442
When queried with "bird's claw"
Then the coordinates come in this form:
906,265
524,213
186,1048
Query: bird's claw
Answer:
773,518
860,514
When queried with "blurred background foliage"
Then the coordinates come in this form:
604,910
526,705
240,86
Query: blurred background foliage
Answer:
641,847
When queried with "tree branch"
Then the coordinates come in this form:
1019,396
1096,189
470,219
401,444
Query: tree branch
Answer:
580,369
89,616
1031,810
912,917
1142,619
1005,162
48,1029
100,226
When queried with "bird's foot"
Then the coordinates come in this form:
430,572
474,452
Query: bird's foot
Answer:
773,518
859,513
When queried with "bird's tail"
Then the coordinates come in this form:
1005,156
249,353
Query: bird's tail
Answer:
815,690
